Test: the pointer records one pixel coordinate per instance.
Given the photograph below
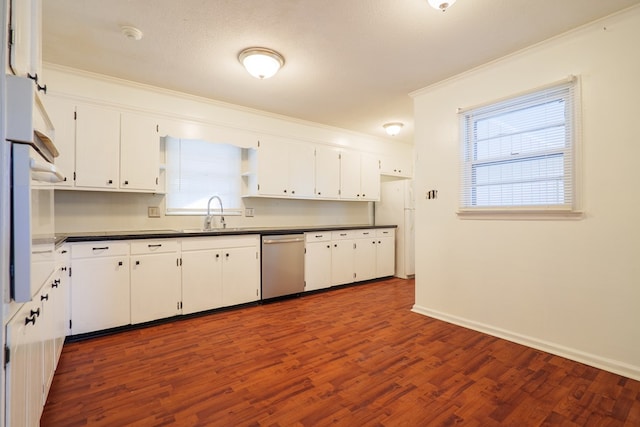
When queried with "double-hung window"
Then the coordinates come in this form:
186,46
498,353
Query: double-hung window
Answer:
518,154
197,170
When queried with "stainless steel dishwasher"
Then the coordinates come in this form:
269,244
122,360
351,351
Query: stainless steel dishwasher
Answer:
282,265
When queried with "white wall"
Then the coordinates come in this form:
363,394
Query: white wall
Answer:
571,287
78,211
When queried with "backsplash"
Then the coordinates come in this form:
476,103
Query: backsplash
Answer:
85,211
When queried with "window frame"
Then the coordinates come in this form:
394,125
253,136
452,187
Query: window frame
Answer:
569,91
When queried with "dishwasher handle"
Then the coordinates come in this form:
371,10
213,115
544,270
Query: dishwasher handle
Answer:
273,241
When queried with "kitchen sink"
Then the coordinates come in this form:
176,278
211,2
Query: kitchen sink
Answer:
213,230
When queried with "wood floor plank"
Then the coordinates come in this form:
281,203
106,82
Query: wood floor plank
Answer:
354,356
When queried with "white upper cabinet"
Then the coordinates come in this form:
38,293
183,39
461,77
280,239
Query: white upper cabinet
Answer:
281,169
25,38
102,148
139,152
397,165
97,147
327,173
359,176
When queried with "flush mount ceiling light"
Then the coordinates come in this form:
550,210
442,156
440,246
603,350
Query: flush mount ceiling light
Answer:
131,32
261,62
440,4
393,128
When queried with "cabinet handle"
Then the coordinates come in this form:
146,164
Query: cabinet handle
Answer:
42,88
137,262
293,191
318,236
329,246
120,263
55,283
159,245
217,255
35,312
335,245
374,242
379,242
364,195
319,193
64,252
33,77
126,183
227,255
103,248
110,181
285,191
31,319
365,233
44,297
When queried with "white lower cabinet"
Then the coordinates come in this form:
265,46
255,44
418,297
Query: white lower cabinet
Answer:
241,274
219,272
342,257
364,254
155,280
201,279
385,252
317,261
100,292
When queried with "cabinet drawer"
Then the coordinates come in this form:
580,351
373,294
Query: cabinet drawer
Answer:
343,234
142,247
204,243
385,232
99,249
364,234
321,236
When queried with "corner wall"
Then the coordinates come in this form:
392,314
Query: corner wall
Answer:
570,287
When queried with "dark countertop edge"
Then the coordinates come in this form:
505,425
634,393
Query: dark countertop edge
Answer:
168,234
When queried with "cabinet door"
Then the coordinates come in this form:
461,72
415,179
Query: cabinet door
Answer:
97,147
240,276
349,175
201,280
155,287
99,294
301,170
24,371
317,265
272,169
342,262
369,177
385,256
365,259
25,51
62,115
327,173
139,153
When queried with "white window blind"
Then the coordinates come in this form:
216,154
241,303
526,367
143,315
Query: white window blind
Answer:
518,153
197,170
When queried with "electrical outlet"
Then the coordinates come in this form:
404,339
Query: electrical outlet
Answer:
249,212
153,212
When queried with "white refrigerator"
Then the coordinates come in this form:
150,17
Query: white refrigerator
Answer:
396,207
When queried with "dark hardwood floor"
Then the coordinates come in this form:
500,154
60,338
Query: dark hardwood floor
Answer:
354,356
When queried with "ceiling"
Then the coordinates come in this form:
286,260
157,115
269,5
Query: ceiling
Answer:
349,64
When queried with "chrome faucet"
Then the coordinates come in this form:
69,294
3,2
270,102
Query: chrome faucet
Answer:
209,217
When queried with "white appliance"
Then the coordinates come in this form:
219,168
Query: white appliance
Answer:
396,206
29,129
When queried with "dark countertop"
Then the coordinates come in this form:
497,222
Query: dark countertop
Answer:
166,234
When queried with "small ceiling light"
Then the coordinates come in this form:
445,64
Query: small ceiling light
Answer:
393,128
131,32
440,4
261,62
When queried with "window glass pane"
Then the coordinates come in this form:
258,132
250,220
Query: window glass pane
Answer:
197,170
518,152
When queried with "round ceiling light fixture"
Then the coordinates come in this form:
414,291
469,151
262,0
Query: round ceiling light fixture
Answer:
131,32
261,62
393,128
440,4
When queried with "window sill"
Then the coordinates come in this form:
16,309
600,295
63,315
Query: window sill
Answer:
520,214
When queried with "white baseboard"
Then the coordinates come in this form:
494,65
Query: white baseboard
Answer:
596,361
